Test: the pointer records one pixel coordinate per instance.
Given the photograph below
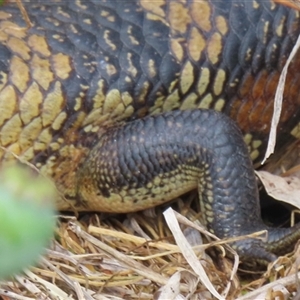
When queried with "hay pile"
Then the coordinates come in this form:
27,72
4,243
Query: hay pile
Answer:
137,257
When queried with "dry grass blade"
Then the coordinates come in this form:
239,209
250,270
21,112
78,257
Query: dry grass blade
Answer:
188,252
129,237
24,14
74,285
278,102
261,293
51,289
217,242
33,288
13,295
123,259
171,289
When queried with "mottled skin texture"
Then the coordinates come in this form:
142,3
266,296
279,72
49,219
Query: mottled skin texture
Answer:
86,68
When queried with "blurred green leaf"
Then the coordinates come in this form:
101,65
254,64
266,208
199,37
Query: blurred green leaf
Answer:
26,218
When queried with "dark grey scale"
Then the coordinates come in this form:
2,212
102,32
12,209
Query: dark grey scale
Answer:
127,60
160,152
107,17
129,31
272,53
253,11
77,6
167,68
5,56
81,39
156,35
15,11
238,20
286,47
221,7
152,168
231,51
59,13
150,54
146,164
139,175
120,180
136,158
72,88
158,143
292,24
123,84
133,163
289,37
130,11
103,64
60,43
139,95
258,57
149,157
44,3
269,7
247,48
85,65
280,20
48,23
112,4
89,24
136,155
122,165
39,9
112,45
